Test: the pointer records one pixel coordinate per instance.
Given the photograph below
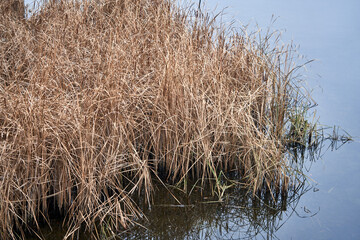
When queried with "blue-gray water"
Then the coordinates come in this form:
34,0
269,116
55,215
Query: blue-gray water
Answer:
328,31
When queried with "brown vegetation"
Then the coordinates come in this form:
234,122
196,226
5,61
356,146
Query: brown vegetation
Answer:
12,8
98,99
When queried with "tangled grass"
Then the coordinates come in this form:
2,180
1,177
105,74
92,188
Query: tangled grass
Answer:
98,98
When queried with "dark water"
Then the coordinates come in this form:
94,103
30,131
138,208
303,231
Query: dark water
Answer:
325,30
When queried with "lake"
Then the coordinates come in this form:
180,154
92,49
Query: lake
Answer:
325,30
329,32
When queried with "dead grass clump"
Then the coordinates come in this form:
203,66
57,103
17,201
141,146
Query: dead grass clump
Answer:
99,97
14,9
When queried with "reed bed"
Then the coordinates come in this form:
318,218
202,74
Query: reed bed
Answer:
99,98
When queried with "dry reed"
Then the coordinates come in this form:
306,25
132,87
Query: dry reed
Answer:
98,98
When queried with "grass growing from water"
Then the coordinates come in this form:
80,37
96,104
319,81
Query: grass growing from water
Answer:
99,98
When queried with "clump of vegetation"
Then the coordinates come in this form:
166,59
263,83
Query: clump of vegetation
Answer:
99,98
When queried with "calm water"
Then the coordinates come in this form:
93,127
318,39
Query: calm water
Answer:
328,31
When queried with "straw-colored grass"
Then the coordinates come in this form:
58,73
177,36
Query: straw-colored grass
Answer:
98,98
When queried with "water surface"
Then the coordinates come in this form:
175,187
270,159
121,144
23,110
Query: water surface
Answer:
328,31
325,30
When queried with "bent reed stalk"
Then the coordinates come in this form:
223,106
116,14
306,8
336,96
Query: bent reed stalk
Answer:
98,98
